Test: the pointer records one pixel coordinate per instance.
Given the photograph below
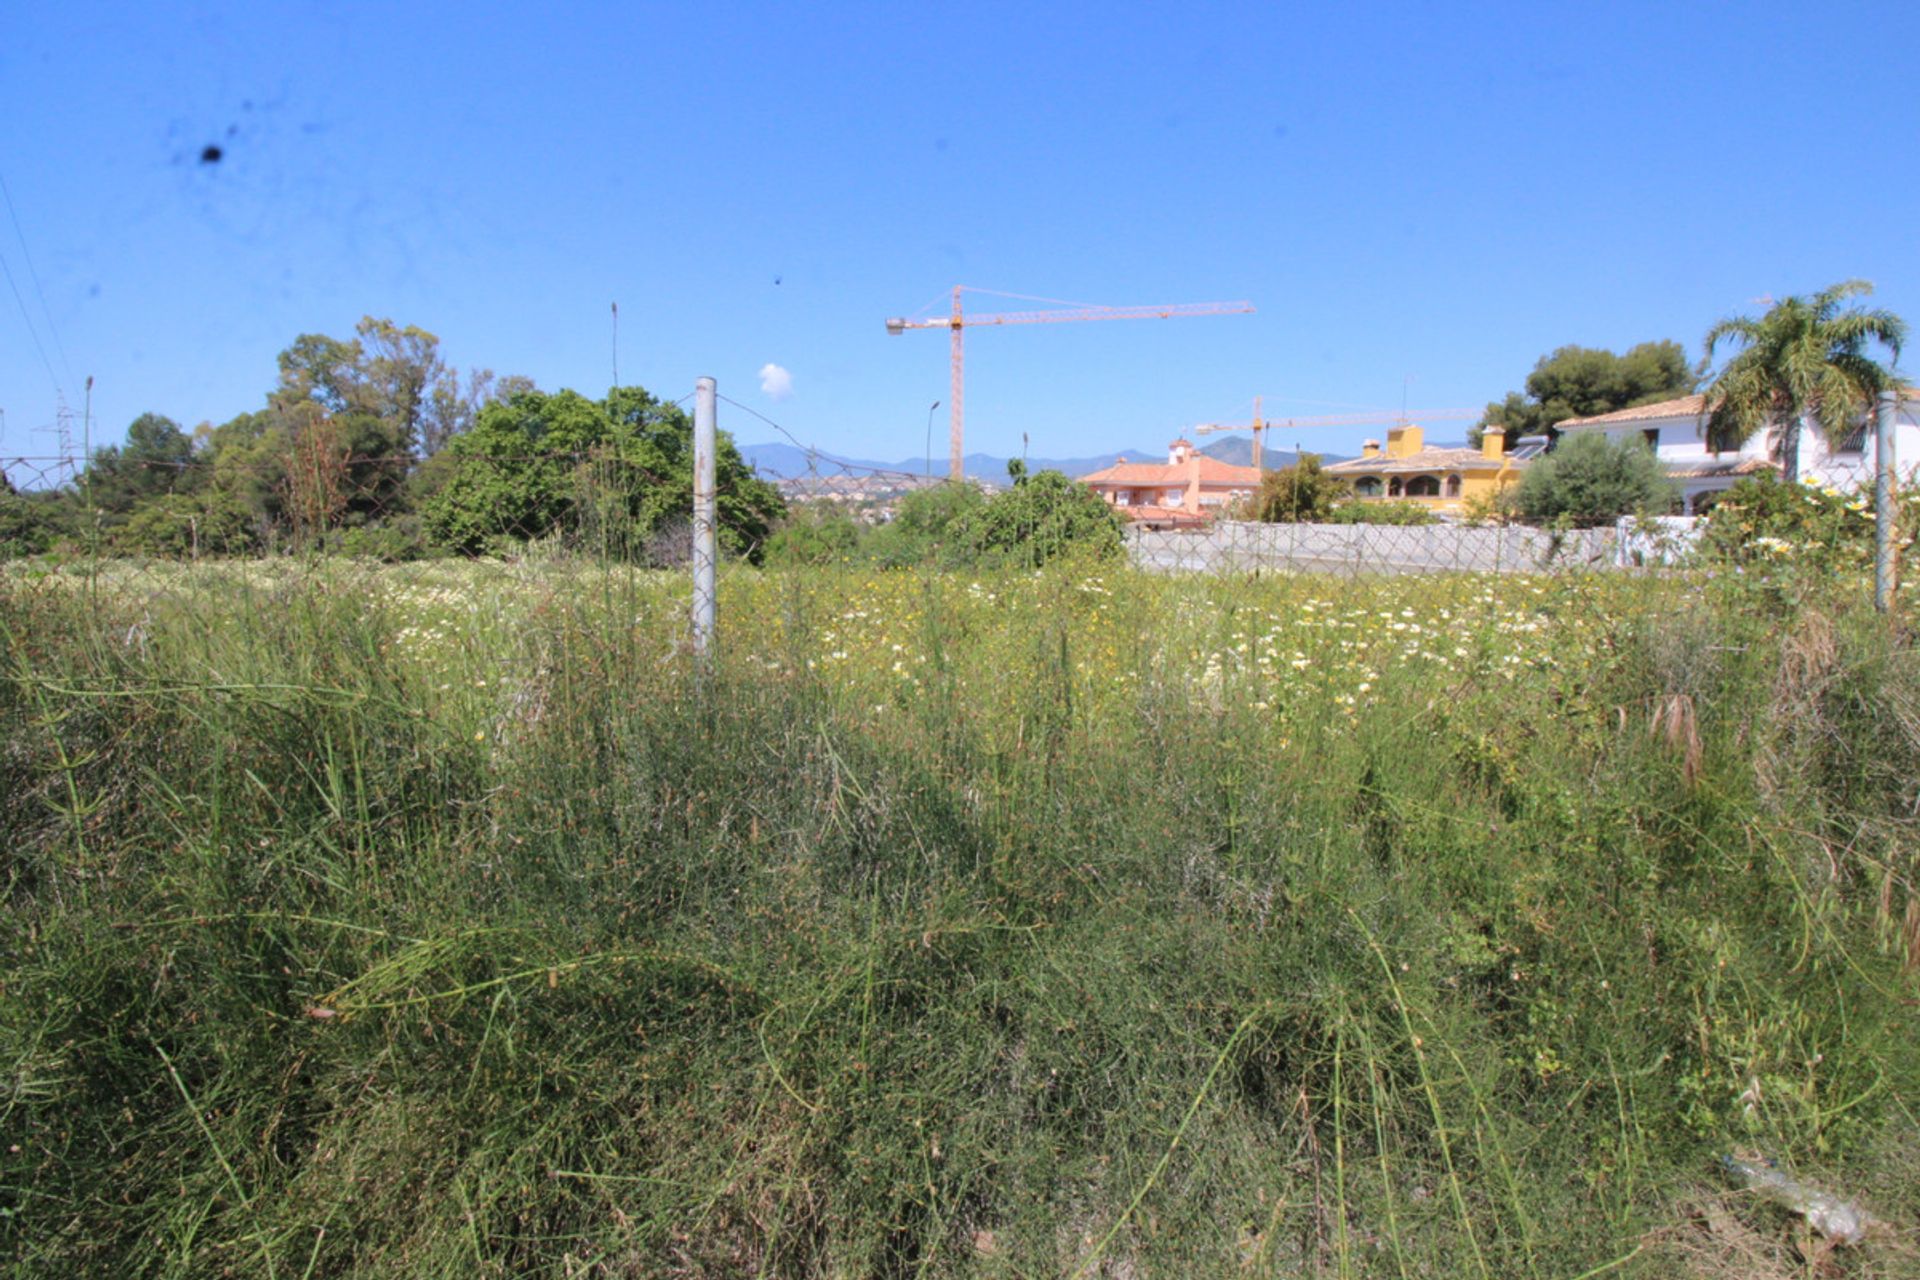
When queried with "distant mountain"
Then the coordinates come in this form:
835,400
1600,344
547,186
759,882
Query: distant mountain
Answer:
1238,450
786,462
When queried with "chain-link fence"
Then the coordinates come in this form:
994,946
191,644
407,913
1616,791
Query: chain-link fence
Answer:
622,497
1353,550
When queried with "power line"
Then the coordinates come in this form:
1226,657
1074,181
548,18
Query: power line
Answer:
814,455
33,274
32,332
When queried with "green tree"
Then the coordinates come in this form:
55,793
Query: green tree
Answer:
1579,382
1040,517
1303,493
814,533
34,521
1805,358
157,458
925,527
608,475
1589,480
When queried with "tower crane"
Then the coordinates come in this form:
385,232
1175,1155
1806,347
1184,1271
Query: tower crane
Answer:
1258,426
958,322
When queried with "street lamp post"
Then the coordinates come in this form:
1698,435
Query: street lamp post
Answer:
929,452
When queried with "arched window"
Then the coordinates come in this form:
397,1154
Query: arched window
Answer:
1423,487
1367,486
1453,486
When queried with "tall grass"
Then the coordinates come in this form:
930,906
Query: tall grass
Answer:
444,923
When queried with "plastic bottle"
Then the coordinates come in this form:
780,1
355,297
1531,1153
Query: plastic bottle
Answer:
1838,1220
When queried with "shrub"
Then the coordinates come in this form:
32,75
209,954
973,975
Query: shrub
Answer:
32,523
182,525
922,530
1764,519
393,541
1300,494
1590,480
815,533
1041,517
1402,513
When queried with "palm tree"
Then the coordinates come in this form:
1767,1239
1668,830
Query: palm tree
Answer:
1804,357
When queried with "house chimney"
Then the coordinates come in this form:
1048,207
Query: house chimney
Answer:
1370,448
1404,440
1493,442
1179,451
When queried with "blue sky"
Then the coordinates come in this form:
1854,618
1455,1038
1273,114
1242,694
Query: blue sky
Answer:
1419,199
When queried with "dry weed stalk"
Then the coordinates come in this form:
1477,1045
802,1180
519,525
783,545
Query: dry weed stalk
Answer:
1675,721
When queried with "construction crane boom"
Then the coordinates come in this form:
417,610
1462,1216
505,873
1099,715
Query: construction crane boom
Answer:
1259,426
958,321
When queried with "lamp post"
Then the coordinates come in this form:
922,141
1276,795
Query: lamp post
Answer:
929,452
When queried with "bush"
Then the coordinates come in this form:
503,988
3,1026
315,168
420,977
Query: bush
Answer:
183,525
1590,480
32,523
815,533
923,527
393,541
1763,519
1041,517
1300,494
1402,513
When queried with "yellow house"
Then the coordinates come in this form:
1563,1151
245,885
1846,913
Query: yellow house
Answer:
1444,479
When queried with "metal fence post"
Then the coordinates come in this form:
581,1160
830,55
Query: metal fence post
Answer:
705,534
1883,513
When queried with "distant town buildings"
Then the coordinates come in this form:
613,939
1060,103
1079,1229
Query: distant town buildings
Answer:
869,498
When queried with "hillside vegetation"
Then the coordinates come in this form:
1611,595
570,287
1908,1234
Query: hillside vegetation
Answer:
440,921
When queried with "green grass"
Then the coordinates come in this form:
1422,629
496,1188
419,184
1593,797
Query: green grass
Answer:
443,922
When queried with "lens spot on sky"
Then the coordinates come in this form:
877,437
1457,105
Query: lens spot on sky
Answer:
211,154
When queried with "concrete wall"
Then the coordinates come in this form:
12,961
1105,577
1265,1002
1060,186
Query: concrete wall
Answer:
1356,549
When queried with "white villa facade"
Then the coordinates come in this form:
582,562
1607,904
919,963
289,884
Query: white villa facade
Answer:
1676,429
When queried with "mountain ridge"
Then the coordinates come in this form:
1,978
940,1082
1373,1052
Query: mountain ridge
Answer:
780,461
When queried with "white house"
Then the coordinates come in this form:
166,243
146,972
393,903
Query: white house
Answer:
1677,430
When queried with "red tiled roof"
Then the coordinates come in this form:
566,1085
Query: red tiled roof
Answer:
1681,407
1425,460
1165,515
1211,470
1711,468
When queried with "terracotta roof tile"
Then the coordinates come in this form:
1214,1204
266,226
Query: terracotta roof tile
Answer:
1681,407
1425,460
1707,470
1211,471
1165,515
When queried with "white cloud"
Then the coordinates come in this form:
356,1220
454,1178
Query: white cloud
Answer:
775,382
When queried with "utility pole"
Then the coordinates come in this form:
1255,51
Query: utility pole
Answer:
1883,511
705,537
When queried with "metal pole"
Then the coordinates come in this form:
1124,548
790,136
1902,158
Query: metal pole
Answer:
1884,515
957,467
705,541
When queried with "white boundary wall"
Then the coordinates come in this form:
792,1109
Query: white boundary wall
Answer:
1352,550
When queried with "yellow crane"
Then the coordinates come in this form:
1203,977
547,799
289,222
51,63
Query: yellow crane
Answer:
958,322
1258,426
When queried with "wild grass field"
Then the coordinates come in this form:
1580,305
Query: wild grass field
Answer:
443,921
